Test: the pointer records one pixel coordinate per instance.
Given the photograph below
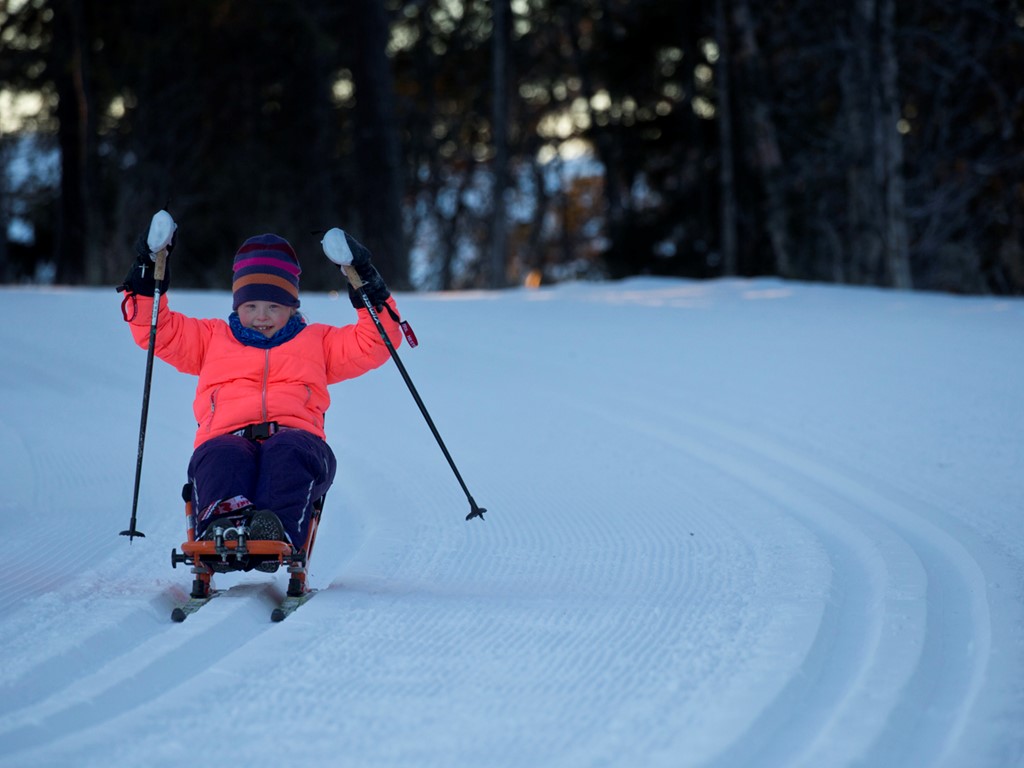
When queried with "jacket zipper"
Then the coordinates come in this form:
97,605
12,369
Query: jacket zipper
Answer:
266,377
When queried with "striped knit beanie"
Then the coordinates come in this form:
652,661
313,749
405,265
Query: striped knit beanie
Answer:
266,269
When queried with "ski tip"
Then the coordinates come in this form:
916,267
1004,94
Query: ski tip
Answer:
178,615
278,614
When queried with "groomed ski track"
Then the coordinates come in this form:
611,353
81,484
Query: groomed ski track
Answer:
737,523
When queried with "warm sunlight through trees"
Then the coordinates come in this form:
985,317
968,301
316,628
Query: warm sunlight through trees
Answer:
872,143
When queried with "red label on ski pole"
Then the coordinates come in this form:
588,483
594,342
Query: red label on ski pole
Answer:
410,337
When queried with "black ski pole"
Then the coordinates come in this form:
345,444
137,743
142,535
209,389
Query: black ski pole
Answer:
353,276
338,251
159,271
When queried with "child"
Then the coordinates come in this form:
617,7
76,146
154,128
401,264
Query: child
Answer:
260,454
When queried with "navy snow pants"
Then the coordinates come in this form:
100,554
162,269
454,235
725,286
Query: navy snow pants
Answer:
285,473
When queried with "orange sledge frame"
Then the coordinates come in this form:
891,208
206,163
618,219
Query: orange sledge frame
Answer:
209,557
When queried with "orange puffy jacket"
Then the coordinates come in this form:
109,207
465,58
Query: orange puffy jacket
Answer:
241,385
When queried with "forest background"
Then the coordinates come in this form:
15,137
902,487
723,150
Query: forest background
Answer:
510,142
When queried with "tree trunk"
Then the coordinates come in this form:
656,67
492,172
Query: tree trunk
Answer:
876,199
605,144
73,119
856,136
726,167
766,155
499,129
378,151
895,240
7,145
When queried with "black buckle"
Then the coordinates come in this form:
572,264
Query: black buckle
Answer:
261,431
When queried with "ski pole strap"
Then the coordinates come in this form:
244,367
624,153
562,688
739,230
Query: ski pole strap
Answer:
407,331
128,296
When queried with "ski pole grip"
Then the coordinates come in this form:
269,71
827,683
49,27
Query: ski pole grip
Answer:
160,270
352,275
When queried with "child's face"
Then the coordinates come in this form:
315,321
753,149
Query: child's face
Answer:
264,316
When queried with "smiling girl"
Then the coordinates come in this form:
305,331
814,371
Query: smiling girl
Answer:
260,452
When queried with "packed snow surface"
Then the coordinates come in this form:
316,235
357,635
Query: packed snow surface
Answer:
731,523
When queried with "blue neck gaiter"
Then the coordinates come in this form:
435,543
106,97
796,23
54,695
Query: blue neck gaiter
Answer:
252,338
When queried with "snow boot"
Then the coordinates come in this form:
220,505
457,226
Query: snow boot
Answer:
264,525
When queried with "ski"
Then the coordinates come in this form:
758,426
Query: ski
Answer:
283,610
290,604
186,609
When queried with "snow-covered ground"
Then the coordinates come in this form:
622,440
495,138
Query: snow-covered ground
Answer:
732,523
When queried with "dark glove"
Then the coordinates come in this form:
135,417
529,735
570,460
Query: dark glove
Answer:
374,285
141,279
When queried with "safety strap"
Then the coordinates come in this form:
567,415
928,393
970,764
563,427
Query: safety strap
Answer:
259,432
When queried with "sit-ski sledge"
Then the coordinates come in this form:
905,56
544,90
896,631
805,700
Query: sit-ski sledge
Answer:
222,554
